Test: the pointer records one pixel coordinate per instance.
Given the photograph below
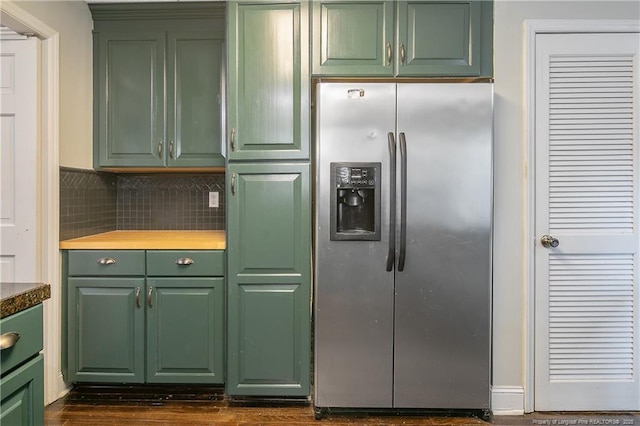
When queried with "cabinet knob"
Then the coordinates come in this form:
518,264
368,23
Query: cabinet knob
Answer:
186,261
160,149
106,261
8,340
171,155
389,54
402,54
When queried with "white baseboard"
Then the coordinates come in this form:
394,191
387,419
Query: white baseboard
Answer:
63,387
507,400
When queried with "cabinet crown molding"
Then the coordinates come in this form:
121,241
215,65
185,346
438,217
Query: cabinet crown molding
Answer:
157,11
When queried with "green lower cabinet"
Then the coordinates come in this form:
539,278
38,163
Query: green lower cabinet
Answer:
163,323
269,340
22,394
22,368
268,249
185,340
106,329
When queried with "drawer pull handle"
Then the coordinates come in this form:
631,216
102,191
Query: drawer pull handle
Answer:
106,261
186,261
7,340
149,297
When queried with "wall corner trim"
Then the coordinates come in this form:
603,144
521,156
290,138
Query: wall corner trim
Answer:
507,400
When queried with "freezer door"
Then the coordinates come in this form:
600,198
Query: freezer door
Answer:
353,290
443,292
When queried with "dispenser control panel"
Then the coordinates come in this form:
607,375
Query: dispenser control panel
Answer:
355,177
355,202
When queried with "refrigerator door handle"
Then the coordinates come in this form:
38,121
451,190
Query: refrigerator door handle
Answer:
392,202
403,202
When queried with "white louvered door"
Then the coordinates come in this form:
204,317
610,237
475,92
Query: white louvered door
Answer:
587,194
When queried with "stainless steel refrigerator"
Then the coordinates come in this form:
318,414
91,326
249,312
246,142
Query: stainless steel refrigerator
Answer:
403,213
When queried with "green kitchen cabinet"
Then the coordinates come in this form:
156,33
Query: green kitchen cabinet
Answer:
268,246
353,38
185,316
136,316
106,329
268,199
22,368
157,87
268,80
22,394
440,38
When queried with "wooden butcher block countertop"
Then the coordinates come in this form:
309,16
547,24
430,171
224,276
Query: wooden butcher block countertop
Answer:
148,240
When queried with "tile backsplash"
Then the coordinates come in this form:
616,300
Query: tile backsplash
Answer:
87,203
169,202
93,202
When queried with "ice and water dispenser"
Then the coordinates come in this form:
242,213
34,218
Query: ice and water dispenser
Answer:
355,201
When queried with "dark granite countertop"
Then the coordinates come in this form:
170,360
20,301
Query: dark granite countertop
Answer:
16,297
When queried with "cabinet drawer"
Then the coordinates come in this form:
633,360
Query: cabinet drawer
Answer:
28,325
202,263
106,262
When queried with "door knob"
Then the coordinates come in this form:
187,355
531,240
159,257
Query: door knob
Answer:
549,241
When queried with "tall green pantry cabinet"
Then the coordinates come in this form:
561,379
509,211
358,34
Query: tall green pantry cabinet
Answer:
268,199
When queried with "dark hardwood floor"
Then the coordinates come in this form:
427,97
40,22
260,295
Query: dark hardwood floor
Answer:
105,405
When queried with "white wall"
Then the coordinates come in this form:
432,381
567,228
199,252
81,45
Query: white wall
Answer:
72,20
509,281
67,58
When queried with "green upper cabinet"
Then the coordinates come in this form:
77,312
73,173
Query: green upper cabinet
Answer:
268,81
158,85
269,291
129,98
405,38
353,37
194,124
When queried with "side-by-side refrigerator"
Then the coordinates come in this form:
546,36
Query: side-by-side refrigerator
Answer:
403,213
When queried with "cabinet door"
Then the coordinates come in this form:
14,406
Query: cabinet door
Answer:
129,91
106,329
353,38
268,99
185,340
439,38
194,99
268,252
22,393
